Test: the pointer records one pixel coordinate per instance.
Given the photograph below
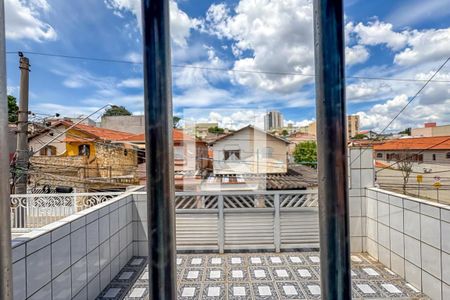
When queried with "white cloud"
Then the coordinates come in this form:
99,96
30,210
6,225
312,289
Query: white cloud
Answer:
131,83
23,20
180,23
272,36
301,123
376,33
425,46
356,54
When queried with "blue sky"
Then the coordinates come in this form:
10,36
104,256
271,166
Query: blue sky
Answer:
388,39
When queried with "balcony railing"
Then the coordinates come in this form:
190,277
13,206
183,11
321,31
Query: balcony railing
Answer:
37,210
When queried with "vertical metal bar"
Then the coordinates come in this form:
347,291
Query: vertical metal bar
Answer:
276,225
5,202
159,149
332,149
221,226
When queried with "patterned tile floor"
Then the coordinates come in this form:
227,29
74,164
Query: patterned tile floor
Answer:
259,276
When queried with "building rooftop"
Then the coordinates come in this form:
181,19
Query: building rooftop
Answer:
289,275
422,143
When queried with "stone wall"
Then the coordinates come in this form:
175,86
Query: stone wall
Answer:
115,160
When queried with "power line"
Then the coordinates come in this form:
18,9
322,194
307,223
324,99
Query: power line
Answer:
408,103
107,60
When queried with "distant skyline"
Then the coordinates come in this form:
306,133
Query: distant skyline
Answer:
389,39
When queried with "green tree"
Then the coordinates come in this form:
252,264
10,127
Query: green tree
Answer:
176,121
116,111
406,131
284,132
216,130
359,136
13,109
305,153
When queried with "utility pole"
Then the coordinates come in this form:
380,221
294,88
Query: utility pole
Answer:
22,152
6,292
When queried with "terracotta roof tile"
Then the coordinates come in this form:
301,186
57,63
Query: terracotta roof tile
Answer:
422,143
178,135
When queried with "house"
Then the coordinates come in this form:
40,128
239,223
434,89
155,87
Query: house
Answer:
250,151
298,137
431,129
83,156
427,150
190,153
369,134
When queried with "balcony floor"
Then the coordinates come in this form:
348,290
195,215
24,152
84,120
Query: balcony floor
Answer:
288,275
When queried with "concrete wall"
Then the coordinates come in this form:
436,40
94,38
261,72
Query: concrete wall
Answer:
131,124
77,257
439,155
411,237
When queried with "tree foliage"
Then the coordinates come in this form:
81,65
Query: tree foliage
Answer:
406,131
359,136
284,132
13,109
116,111
176,121
305,153
216,130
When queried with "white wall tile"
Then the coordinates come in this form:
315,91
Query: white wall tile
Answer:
430,210
384,256
18,253
82,295
61,286
94,288
397,243
445,234
396,217
38,270
114,221
367,159
60,255
78,244
77,223
372,230
105,277
60,232
122,216
383,213
397,264
372,208
355,206
103,228
43,294
122,238
430,231
413,275
19,280
355,178
38,243
412,250
446,268
411,205
445,291
372,248
367,178
114,245
445,214
383,197
115,267
412,224
92,237
431,286
104,250
356,244
91,217
79,276
383,235
431,260
93,264
397,201
371,194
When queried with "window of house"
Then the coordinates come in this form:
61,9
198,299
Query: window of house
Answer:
48,151
232,154
125,152
178,153
379,155
267,152
84,150
434,156
447,155
421,157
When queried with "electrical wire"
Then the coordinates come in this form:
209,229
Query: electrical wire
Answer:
107,60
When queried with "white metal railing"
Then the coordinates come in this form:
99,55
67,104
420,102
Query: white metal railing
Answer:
236,220
37,210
